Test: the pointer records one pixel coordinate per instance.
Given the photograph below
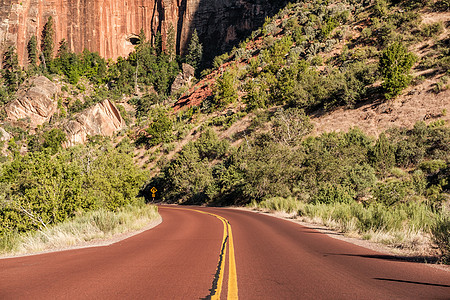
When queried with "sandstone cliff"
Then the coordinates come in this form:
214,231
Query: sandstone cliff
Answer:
110,26
35,101
102,119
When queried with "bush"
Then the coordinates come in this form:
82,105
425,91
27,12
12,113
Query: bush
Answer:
382,155
432,30
395,65
160,130
392,192
225,92
290,126
331,193
46,189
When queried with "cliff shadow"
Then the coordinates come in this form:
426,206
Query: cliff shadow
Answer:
223,24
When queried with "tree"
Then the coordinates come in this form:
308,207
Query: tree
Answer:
195,51
225,91
142,37
53,140
32,51
171,43
48,34
395,65
290,126
11,69
63,48
158,43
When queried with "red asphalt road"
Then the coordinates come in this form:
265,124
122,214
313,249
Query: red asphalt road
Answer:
275,259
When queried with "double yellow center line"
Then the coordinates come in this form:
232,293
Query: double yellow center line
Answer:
227,240
232,277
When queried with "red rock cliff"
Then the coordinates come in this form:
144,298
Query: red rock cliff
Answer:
106,26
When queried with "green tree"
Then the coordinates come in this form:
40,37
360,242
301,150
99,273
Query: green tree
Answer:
47,43
171,43
53,139
395,65
32,51
160,129
158,43
225,91
195,51
11,69
142,37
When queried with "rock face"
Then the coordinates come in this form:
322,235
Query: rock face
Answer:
110,27
183,79
37,103
102,119
4,135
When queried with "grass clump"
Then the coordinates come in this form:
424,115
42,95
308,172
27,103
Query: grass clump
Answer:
441,236
287,205
406,225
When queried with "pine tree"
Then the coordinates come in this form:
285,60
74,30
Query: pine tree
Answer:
63,48
142,37
32,51
11,69
158,43
195,51
171,43
47,42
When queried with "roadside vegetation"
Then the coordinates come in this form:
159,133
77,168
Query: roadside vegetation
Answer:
392,189
99,225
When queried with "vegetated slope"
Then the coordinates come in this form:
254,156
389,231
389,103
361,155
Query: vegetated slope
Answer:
320,67
338,48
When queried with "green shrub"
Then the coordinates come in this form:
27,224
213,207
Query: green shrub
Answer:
392,192
225,91
395,65
382,155
432,166
160,130
332,193
442,5
47,189
432,30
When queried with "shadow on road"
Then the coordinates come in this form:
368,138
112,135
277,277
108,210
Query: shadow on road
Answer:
413,282
416,259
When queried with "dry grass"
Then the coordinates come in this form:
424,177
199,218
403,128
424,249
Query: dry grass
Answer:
91,226
403,228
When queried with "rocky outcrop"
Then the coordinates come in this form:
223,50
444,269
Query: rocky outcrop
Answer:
35,101
183,79
110,27
102,119
4,135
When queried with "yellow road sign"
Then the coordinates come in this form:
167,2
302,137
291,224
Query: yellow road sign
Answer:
153,190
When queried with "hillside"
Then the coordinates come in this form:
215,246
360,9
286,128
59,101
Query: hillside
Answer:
334,110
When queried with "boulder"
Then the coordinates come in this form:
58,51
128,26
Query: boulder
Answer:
102,119
35,101
183,79
4,135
